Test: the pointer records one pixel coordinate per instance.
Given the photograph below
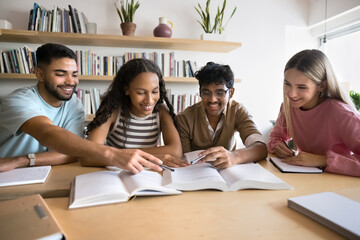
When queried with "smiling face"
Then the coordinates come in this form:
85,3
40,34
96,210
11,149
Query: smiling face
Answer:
302,91
144,93
214,98
58,81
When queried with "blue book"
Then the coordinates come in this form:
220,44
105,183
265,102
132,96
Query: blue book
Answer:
32,26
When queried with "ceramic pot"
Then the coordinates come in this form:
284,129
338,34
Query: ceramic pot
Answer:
163,29
128,28
213,37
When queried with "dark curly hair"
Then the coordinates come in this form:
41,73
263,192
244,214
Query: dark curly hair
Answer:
115,96
215,73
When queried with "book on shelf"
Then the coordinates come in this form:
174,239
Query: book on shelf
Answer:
288,168
181,101
17,61
7,62
205,176
337,212
56,20
28,218
90,99
32,17
27,175
2,65
73,20
77,20
106,187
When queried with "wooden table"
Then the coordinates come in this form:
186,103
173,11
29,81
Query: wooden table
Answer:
56,185
245,214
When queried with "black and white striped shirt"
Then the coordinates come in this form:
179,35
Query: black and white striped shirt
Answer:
136,132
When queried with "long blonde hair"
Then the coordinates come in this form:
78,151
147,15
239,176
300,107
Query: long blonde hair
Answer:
316,66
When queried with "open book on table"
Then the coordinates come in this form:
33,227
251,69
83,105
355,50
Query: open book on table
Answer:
107,187
27,175
288,168
205,176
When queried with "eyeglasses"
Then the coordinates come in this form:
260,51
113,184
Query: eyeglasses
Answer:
218,93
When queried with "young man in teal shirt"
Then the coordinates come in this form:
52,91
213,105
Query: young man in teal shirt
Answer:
43,124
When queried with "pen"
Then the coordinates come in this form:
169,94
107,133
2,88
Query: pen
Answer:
164,167
196,160
291,148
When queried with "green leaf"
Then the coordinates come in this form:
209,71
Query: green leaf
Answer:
127,10
218,19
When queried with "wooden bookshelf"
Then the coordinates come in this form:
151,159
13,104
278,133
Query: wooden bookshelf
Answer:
108,40
9,76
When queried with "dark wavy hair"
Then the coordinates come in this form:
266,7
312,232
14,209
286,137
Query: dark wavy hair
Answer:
115,96
215,73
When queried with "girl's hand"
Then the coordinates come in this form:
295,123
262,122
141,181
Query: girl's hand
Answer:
306,159
282,151
172,161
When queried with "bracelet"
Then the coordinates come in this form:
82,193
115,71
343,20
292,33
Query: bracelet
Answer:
32,159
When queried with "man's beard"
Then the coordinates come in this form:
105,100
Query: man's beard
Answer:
56,94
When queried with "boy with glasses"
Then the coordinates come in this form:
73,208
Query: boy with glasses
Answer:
211,124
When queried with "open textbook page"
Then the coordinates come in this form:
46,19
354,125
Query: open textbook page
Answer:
205,176
107,187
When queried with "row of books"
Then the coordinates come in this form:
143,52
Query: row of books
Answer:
181,101
90,99
57,20
21,60
89,63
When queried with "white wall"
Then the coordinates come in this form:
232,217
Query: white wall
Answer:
334,8
262,26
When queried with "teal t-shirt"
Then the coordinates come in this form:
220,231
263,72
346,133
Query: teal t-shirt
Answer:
26,103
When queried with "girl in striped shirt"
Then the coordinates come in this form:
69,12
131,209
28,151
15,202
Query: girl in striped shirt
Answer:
132,114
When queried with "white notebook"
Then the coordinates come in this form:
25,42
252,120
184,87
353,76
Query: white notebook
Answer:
27,175
288,168
332,210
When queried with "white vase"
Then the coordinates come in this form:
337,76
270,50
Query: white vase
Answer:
213,36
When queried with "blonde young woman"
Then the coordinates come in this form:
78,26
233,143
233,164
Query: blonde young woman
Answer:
323,124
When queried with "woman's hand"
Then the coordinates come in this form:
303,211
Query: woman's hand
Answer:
283,151
306,159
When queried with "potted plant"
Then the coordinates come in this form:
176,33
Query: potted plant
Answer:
355,97
218,27
126,13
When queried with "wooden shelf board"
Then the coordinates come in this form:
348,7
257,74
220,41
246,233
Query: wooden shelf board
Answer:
7,76
107,40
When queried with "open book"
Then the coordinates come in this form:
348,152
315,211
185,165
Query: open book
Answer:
27,175
205,176
288,168
332,210
107,187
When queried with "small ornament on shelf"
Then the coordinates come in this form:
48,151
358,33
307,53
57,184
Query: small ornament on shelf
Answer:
163,29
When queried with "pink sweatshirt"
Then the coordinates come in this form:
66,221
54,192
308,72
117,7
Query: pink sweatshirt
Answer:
332,128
